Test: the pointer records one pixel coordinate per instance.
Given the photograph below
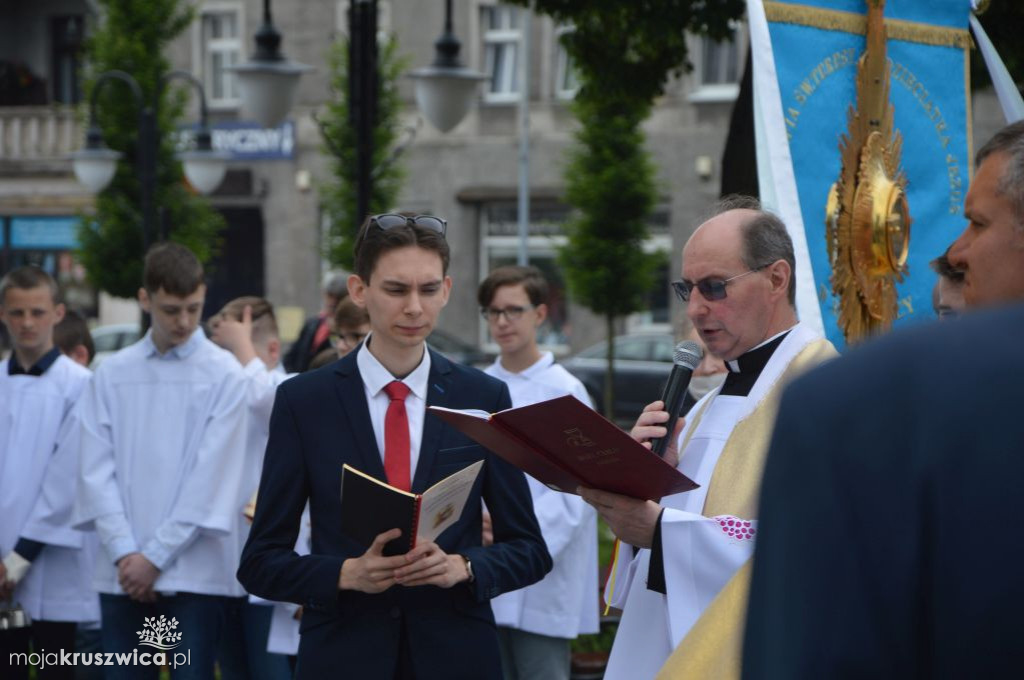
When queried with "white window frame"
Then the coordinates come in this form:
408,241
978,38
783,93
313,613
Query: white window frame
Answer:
508,39
642,321
508,247
562,63
547,246
204,50
718,91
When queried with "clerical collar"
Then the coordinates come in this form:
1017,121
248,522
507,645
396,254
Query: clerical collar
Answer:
746,369
37,369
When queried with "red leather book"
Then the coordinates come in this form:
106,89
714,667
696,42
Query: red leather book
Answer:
564,444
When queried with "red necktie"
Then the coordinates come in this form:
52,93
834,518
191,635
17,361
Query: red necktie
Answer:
396,436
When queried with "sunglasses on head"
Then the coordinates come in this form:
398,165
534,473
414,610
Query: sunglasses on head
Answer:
710,288
394,220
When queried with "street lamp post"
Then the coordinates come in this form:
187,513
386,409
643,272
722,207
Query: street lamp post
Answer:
268,82
95,165
363,91
445,89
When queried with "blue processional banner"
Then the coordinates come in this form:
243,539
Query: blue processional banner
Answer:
816,46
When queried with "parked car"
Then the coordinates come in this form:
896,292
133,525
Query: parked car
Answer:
111,338
642,364
459,350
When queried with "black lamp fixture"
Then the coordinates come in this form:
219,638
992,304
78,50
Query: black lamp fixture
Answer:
445,90
267,83
96,164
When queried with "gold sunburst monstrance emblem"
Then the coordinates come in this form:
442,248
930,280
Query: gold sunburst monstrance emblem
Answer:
867,222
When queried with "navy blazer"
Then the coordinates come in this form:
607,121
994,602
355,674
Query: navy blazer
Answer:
888,543
320,420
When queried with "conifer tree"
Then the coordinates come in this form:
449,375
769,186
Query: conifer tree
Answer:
131,37
624,53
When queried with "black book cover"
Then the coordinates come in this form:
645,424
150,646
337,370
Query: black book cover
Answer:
370,507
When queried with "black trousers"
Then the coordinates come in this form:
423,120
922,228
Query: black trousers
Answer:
403,669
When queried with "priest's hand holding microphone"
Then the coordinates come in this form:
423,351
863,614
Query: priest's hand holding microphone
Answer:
630,519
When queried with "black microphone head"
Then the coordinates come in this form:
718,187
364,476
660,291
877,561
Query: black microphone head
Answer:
687,353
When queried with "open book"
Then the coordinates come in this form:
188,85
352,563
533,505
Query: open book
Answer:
564,444
370,507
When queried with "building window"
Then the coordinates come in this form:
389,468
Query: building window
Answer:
500,246
719,65
501,28
66,37
221,44
567,80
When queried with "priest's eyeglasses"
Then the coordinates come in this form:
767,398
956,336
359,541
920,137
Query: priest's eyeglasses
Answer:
512,313
387,221
710,288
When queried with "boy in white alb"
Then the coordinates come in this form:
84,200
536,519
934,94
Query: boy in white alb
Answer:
537,623
45,561
247,328
163,450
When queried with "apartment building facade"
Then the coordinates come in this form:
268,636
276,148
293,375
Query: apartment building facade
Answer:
276,226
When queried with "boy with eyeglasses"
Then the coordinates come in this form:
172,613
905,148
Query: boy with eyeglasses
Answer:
536,624
425,613
350,325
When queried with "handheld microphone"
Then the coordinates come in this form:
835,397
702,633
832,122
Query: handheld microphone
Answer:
685,359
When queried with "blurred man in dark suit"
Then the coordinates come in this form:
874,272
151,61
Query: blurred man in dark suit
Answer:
887,544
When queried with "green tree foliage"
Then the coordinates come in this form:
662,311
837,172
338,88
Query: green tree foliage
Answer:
132,37
339,196
624,53
629,49
611,183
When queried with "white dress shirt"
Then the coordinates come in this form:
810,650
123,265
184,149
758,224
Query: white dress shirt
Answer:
375,378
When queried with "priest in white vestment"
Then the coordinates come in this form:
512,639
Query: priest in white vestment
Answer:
677,555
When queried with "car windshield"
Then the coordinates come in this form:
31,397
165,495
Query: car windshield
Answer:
633,348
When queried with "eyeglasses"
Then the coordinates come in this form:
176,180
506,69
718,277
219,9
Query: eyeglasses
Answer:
513,313
351,339
393,220
710,288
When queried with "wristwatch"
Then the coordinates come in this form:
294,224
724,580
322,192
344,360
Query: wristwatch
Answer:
469,568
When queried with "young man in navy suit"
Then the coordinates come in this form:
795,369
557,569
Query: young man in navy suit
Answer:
424,614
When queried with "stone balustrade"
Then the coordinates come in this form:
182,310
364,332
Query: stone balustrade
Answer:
39,132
